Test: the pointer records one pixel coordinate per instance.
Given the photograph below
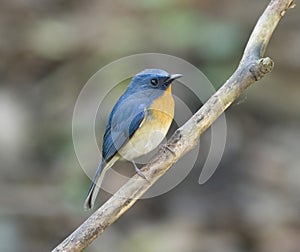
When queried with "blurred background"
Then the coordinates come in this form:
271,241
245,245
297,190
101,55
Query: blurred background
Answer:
50,48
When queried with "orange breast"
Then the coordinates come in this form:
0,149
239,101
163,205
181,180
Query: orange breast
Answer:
153,129
162,109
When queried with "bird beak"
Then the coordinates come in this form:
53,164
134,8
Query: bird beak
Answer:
175,76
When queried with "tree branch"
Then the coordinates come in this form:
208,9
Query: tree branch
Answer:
252,68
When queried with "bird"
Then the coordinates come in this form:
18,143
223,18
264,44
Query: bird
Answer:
137,124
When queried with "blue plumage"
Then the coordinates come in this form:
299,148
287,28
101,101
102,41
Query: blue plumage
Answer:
129,111
127,117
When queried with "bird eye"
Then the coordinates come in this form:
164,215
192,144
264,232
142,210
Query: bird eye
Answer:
154,82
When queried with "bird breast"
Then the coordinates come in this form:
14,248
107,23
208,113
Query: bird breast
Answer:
153,128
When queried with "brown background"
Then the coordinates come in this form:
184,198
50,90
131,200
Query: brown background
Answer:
49,49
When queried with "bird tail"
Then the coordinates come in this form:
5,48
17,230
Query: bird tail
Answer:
96,183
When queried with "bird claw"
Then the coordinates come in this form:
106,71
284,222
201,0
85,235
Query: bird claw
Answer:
165,146
139,172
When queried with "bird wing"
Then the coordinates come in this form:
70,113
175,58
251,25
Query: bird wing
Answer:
125,118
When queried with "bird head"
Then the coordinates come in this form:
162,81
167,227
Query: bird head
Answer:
152,79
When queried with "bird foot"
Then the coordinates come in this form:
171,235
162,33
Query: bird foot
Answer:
139,172
165,147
